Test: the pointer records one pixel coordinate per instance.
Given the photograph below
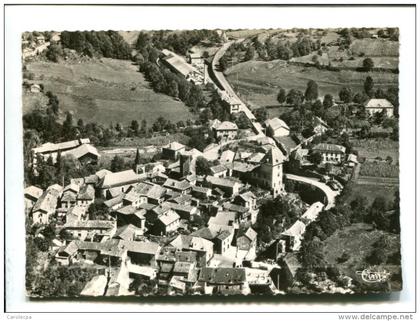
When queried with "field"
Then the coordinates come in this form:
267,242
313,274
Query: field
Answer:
376,147
258,81
357,241
106,91
379,169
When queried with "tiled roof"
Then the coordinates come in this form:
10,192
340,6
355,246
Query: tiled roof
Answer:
120,178
329,148
222,275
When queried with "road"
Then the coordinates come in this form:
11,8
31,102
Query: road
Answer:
220,79
329,193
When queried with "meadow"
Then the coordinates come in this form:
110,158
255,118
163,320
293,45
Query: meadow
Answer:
258,82
106,90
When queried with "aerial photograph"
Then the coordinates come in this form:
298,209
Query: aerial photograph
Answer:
211,162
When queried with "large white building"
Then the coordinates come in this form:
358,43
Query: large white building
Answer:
379,105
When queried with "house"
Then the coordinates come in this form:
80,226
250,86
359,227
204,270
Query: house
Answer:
320,126
142,253
182,187
35,88
352,160
46,205
311,214
293,236
66,254
244,215
85,153
331,153
286,144
50,149
172,151
375,105
202,247
76,213
289,267
225,131
248,242
247,199
223,280
227,185
118,182
131,215
185,211
86,196
227,156
218,171
166,223
224,220
69,196
201,192
179,66
115,203
32,194
93,230
277,127
195,58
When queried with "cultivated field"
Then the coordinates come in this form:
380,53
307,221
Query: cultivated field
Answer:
258,81
376,147
106,91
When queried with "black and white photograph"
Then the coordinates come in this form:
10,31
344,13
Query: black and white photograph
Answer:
212,162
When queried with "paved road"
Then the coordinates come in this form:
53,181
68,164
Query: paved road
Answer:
329,193
220,77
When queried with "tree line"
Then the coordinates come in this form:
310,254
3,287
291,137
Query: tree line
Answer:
108,44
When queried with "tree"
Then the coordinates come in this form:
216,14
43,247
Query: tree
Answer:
173,89
368,86
261,114
281,96
328,101
311,254
294,97
377,213
242,121
368,64
250,53
98,211
202,166
54,52
134,127
378,256
311,92
345,94
117,164
316,158
137,159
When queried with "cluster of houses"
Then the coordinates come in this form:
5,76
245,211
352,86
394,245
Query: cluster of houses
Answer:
193,71
161,221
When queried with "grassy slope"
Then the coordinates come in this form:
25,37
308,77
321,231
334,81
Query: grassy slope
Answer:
258,81
107,91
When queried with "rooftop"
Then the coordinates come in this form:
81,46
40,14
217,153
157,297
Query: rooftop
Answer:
378,103
329,148
120,178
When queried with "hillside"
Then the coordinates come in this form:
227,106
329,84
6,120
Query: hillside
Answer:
106,90
258,81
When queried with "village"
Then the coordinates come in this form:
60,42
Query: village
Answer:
185,223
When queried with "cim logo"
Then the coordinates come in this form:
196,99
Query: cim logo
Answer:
371,275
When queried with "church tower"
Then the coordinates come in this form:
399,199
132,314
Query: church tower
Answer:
271,171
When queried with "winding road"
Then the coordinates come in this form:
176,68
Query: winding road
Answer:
221,82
